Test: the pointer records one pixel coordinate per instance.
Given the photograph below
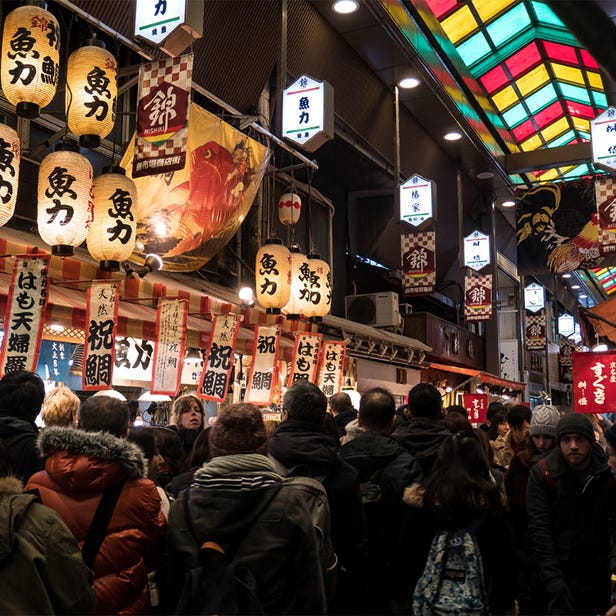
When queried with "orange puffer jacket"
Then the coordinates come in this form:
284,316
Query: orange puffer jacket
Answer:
79,466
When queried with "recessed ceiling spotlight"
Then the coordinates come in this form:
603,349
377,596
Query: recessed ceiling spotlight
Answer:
575,286
485,175
566,275
583,296
509,203
409,82
453,136
344,7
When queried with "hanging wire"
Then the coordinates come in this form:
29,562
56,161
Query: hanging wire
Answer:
309,212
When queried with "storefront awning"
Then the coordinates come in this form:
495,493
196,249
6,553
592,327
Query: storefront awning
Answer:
485,377
603,317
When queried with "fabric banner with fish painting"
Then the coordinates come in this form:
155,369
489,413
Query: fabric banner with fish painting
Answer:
188,216
163,108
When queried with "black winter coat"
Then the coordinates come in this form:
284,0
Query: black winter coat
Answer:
20,437
571,524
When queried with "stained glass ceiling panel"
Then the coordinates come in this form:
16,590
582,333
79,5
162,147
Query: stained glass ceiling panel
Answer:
543,84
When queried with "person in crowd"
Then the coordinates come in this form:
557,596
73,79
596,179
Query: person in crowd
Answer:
38,550
341,407
497,435
457,408
384,469
460,492
518,419
172,452
59,407
493,408
21,396
541,440
610,449
496,471
148,441
422,434
570,506
239,498
199,455
302,445
80,466
455,422
188,420
271,425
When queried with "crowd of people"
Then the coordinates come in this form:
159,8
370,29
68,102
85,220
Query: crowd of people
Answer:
332,509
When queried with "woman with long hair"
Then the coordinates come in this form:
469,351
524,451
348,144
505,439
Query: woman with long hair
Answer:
187,419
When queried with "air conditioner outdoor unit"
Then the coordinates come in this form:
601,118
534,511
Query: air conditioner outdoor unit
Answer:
376,309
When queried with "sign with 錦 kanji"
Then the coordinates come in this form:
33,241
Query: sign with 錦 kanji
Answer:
308,113
476,250
603,138
417,200
23,320
219,358
605,196
418,263
478,298
263,372
594,381
99,349
535,332
476,406
305,358
331,365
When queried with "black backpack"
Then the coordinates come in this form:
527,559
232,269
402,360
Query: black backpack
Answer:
219,584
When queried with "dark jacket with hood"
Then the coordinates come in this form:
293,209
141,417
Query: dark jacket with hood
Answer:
342,419
422,437
41,568
311,449
79,467
571,527
20,436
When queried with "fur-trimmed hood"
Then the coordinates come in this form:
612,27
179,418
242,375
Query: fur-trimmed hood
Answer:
101,446
10,485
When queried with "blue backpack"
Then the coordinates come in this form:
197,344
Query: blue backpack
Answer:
452,581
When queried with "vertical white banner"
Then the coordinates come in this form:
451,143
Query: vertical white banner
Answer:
331,366
305,358
261,380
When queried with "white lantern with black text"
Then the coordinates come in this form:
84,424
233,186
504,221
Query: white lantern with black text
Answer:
273,275
91,93
299,301
64,199
320,288
111,238
9,172
30,58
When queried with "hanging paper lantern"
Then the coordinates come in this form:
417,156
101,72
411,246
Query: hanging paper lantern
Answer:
91,93
111,238
273,275
30,58
64,199
320,288
9,172
289,208
299,301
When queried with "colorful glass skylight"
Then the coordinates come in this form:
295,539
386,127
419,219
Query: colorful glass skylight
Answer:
545,87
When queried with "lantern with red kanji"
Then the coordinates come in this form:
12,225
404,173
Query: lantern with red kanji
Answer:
289,208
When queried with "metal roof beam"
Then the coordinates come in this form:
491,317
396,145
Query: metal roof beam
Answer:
548,158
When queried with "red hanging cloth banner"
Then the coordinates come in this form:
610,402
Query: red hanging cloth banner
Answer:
263,371
476,406
594,382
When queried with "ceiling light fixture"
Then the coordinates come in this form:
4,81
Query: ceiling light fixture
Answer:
453,136
566,275
508,203
583,296
485,175
409,82
575,286
344,7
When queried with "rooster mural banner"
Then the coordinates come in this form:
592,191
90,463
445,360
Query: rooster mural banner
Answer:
187,216
557,229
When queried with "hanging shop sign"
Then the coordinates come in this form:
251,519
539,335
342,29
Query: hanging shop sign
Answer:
263,373
535,338
171,25
476,250
273,276
567,347
566,325
308,113
476,406
417,200
170,347
534,297
101,318
25,308
603,139
594,381
320,300
305,358
55,361
9,172
509,361
605,197
418,263
187,218
299,298
331,366
163,109
219,358
478,298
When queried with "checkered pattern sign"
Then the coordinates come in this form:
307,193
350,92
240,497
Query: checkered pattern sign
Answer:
605,196
478,298
418,263
535,332
607,243
567,346
162,116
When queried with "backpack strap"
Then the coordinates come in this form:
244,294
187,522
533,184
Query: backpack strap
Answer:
100,523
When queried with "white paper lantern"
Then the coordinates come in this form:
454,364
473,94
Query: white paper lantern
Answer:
30,58
289,208
112,234
64,199
91,93
320,288
299,301
273,276
9,172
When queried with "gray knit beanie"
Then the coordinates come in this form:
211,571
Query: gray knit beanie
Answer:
575,423
544,420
